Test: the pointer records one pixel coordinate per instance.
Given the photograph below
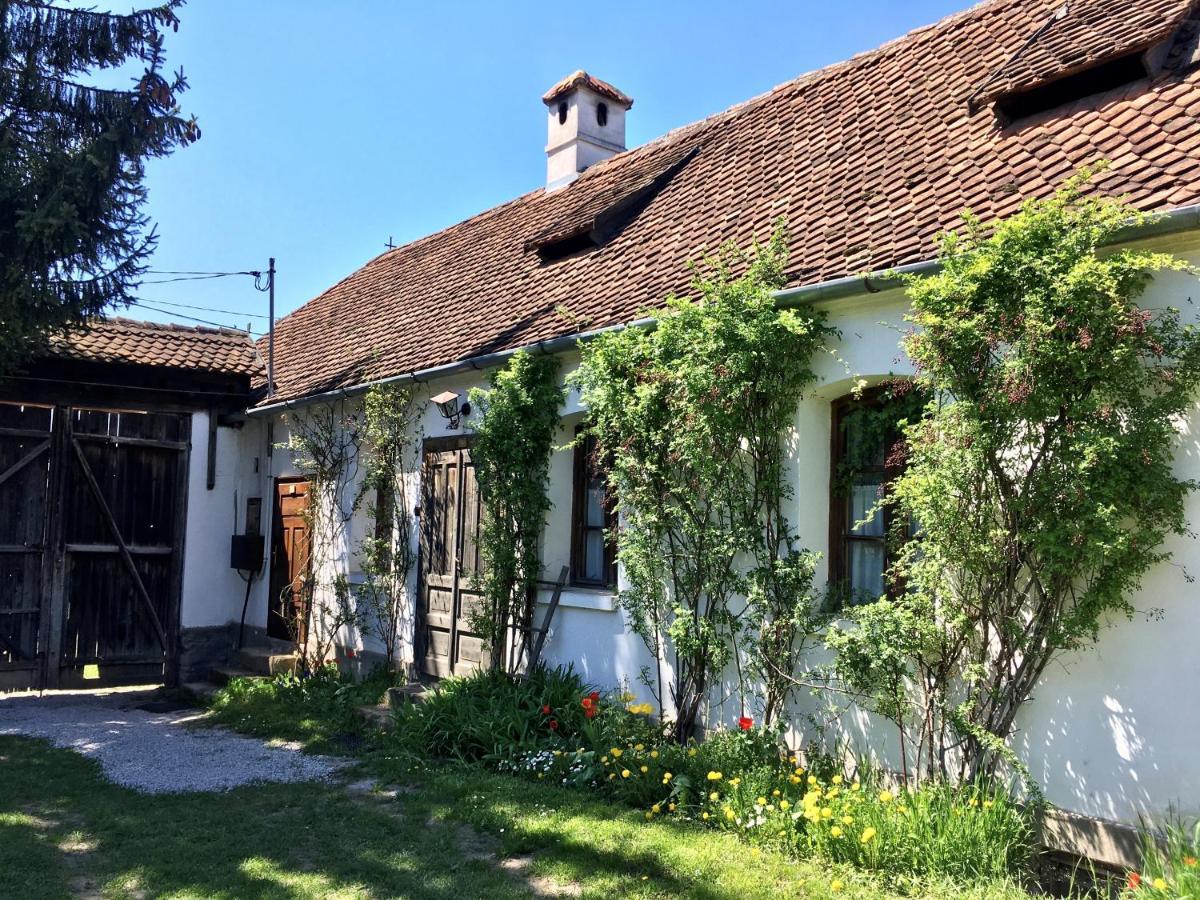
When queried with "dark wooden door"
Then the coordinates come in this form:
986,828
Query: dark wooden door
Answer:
290,559
26,442
450,510
92,513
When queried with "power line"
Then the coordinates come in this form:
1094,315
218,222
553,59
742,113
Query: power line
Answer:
179,272
227,312
178,315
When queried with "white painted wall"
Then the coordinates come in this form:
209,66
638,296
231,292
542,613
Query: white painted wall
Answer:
212,592
1112,732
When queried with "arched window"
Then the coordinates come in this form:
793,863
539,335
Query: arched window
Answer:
865,460
562,112
601,114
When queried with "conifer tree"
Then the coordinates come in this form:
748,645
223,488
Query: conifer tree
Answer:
73,235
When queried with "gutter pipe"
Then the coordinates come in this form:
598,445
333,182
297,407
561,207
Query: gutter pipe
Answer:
1183,218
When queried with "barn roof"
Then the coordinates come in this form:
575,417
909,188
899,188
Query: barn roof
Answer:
866,160
131,342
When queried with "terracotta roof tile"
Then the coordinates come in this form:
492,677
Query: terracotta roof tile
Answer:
129,341
867,160
581,78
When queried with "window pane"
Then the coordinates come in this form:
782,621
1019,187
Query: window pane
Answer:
866,570
595,504
863,497
863,449
594,555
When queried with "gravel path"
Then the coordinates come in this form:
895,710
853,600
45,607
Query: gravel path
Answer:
150,749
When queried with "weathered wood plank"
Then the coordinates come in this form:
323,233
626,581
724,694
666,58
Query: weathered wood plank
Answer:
24,461
126,556
130,441
135,549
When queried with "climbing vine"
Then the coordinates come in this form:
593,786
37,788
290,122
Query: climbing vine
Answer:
324,440
693,413
1041,475
392,438
514,436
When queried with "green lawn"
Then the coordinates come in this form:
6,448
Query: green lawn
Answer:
445,834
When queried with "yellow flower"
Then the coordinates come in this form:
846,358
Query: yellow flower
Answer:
656,808
857,786
867,835
795,779
615,752
776,792
645,769
885,796
624,773
604,759
649,816
667,776
627,697
973,802
704,816
761,801
987,804
826,813
837,779
558,753
729,813
639,747
836,885
755,852
612,775
691,751
714,776
812,779
734,782
654,754
832,792
1160,884
784,805
799,772
792,760
670,807
835,831
847,820
714,796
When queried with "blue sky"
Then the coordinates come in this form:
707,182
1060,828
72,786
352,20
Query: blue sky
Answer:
330,127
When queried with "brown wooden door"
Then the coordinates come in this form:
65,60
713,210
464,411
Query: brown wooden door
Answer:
450,510
289,561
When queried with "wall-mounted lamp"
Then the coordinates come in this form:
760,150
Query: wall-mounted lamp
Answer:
447,402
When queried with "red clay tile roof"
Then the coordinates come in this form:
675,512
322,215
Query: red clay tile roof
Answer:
117,340
580,77
867,160
1079,34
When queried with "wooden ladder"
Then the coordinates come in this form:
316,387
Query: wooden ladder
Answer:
535,652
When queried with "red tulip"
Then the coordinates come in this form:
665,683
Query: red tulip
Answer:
546,710
590,712
554,724
745,723
587,702
594,696
1134,882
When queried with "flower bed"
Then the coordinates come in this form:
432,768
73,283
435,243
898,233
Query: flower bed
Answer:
553,728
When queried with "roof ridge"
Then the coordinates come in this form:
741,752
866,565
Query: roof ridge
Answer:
147,325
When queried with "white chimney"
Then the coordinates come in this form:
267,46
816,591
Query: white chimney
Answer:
586,125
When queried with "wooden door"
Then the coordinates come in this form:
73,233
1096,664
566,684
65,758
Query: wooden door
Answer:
450,510
92,511
26,442
290,558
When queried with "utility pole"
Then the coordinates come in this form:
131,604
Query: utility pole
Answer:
271,329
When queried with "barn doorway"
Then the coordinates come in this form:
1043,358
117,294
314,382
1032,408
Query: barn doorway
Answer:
92,514
450,510
290,560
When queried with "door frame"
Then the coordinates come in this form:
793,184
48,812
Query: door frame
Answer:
432,445
276,516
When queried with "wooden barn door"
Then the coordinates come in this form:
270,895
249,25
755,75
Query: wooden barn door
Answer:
123,502
92,506
26,447
450,510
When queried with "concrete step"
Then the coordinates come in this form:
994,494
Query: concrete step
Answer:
222,675
201,691
379,716
414,692
265,661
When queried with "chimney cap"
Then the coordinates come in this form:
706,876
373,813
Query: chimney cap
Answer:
580,78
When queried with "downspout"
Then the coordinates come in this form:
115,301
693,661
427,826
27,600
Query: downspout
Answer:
1184,218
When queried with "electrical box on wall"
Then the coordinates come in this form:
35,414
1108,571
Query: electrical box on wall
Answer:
246,552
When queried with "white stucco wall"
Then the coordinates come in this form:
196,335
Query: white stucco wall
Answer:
1111,732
